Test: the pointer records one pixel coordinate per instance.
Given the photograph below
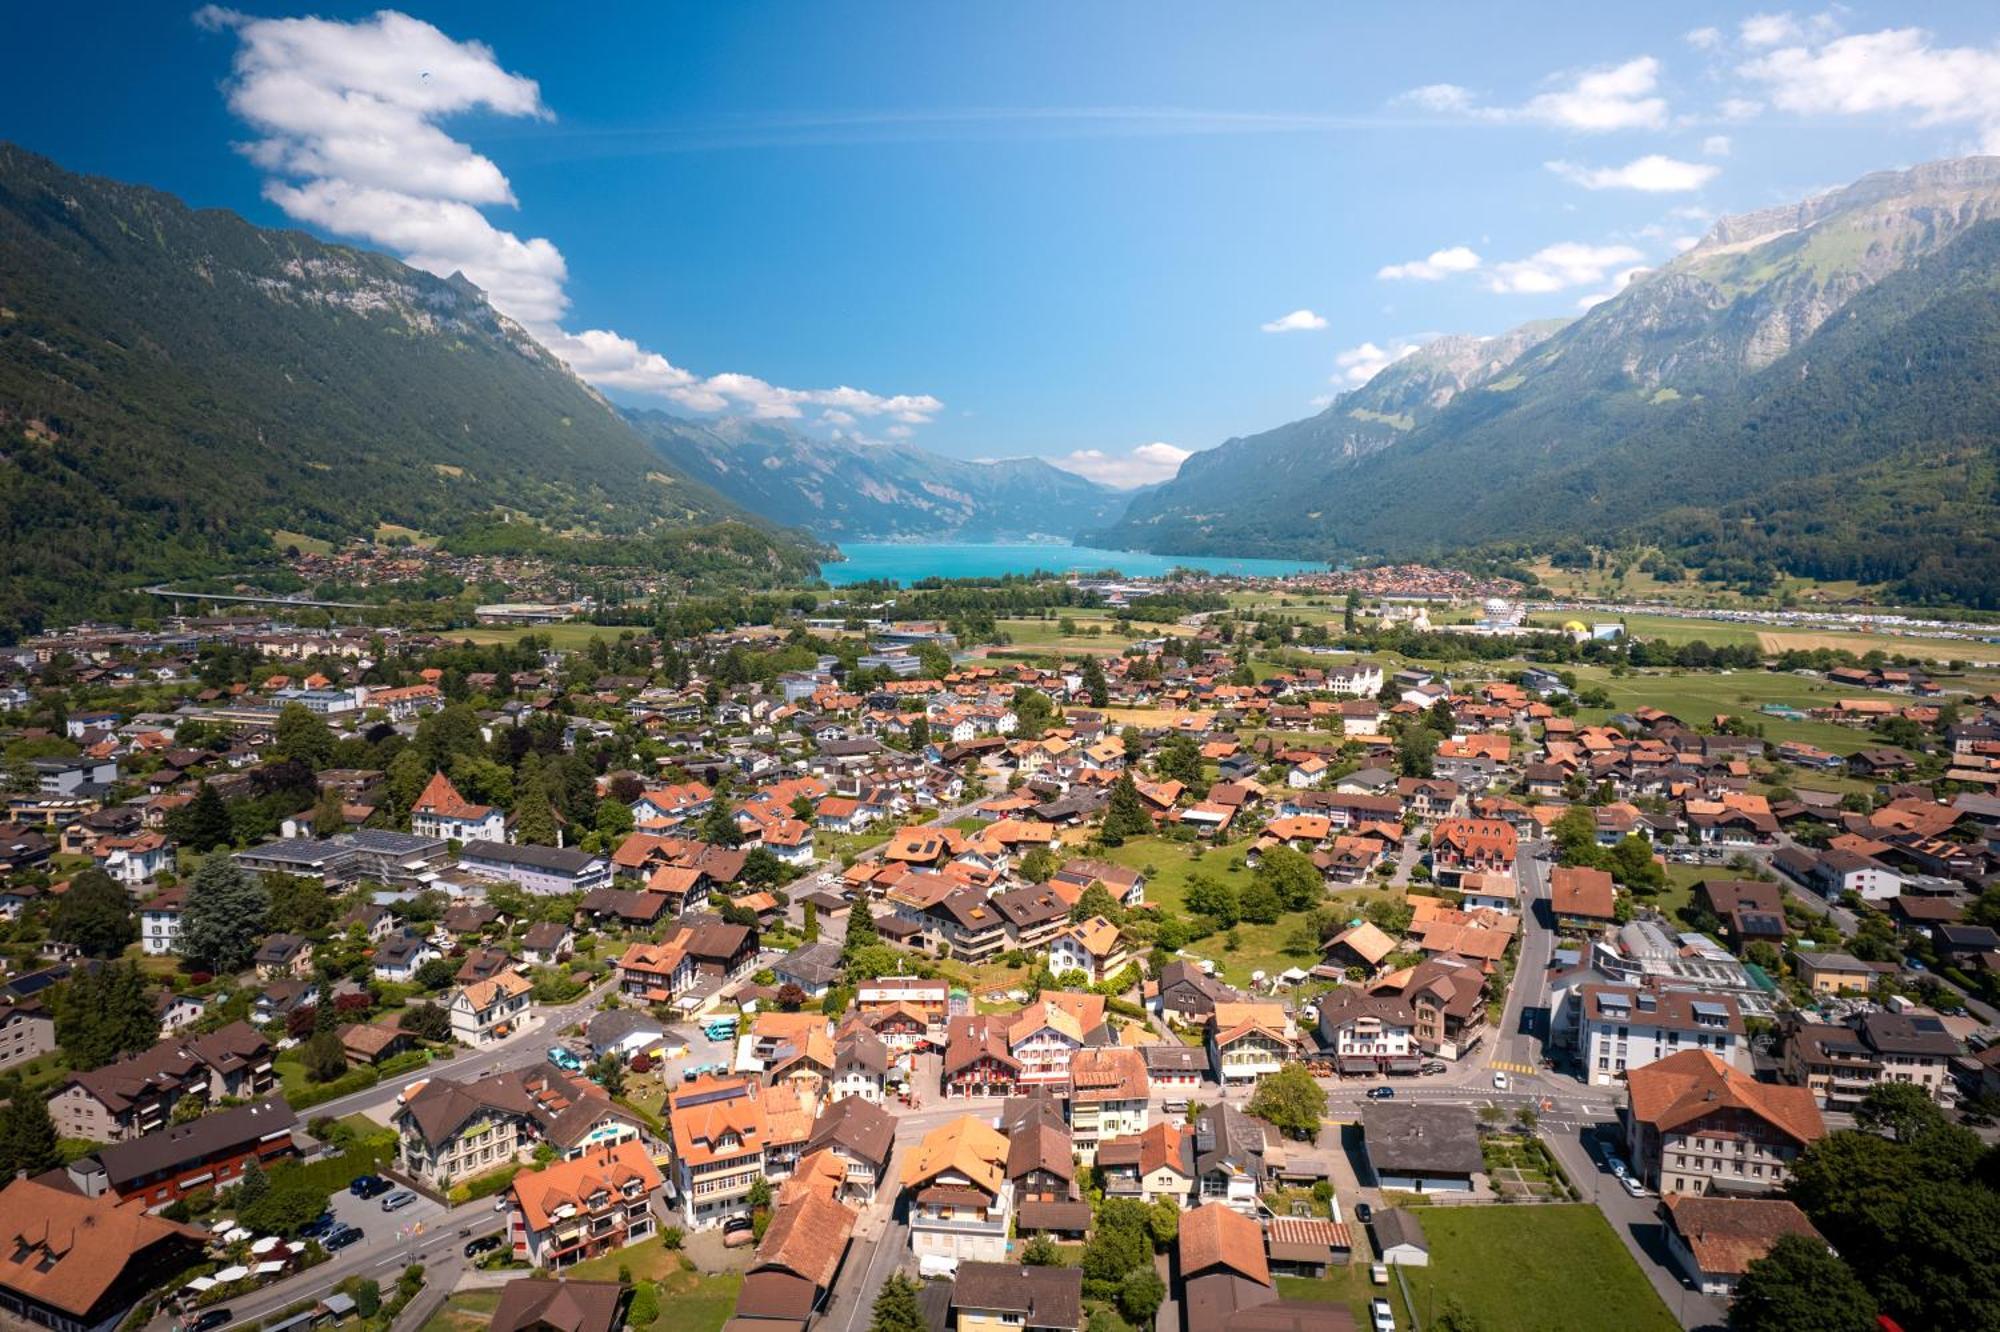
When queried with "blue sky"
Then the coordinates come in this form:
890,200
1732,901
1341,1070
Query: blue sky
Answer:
1002,230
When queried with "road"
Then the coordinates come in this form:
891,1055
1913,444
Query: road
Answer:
1524,1023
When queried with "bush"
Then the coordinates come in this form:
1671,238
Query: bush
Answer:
672,1238
367,1297
645,1310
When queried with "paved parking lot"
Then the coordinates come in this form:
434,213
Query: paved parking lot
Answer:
377,1225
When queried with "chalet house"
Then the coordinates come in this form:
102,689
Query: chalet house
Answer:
977,1061
1095,947
961,1203
1229,1164
399,957
80,1264
655,973
591,1204
1248,1041
1186,994
1582,898
123,1101
1695,1125
1713,1240
452,1129
1109,1095
489,1010
1155,1163
861,1135
721,1136
1461,846
283,955
1369,1033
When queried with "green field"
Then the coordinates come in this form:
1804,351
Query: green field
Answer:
564,637
1039,633
1533,1268
1696,697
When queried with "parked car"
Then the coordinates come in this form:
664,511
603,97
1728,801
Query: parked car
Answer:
1384,1316
399,1199
1363,1213
207,1319
1379,1273
738,1231
1380,1093
484,1244
368,1186
1633,1186
565,1060
1434,1066
319,1227
1616,1165
341,1238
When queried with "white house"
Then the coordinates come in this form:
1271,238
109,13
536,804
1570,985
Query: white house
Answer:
489,1010
160,922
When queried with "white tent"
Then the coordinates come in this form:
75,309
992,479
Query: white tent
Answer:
229,1274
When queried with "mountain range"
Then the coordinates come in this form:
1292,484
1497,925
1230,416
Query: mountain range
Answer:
843,489
177,385
1809,389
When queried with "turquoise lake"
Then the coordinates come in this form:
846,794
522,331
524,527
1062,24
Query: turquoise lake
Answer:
906,562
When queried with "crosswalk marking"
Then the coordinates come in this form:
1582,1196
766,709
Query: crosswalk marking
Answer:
1529,1069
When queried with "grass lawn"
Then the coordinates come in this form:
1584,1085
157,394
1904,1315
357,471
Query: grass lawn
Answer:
690,1301
465,1311
1554,1267
566,636
1696,697
307,544
1039,633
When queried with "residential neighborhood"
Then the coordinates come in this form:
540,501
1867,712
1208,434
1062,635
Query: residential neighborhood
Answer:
819,988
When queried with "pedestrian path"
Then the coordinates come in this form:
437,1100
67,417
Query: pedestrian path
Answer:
1504,1066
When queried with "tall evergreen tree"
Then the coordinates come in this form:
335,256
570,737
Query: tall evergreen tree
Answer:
1125,816
103,1013
27,1137
896,1308
224,916
204,824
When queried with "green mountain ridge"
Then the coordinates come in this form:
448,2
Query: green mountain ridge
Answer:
1807,390
845,489
176,384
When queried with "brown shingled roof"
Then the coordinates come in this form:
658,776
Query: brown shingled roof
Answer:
1218,1236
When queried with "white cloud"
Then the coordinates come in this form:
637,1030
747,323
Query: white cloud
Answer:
1716,145
347,117
1895,70
1619,281
1298,321
1139,466
1739,108
1761,30
1612,97
1768,30
1682,244
1705,39
1565,264
1441,97
1440,264
1358,365
1319,402
1653,173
